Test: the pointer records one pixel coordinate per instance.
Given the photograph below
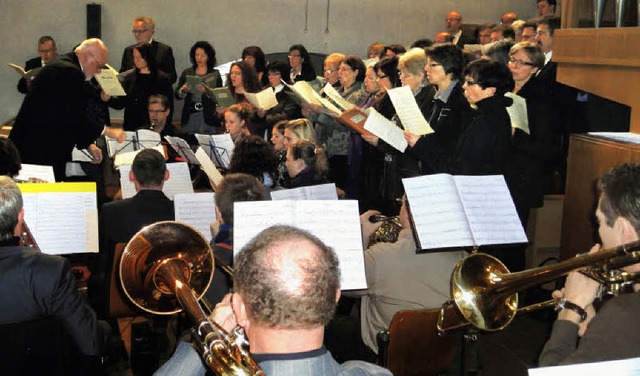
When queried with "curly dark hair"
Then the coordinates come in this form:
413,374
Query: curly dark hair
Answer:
255,157
9,158
208,49
249,78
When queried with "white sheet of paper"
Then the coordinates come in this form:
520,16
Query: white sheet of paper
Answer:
633,138
148,139
129,144
304,91
492,215
336,223
327,104
83,155
518,112
314,192
179,180
223,148
31,171
384,129
408,111
266,99
109,83
127,158
206,164
624,367
332,93
196,209
63,222
437,212
183,149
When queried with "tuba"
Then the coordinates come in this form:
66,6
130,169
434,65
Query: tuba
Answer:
486,294
167,267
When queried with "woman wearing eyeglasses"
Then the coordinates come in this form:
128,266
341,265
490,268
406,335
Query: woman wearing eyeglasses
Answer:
449,113
300,65
484,146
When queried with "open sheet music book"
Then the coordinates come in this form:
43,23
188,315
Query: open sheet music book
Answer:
408,111
183,149
333,94
197,210
109,82
462,211
193,82
355,119
385,130
28,75
336,223
179,181
62,217
219,147
265,100
307,95
313,192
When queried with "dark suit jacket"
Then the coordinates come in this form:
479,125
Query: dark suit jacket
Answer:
164,59
466,39
34,285
53,116
119,221
36,62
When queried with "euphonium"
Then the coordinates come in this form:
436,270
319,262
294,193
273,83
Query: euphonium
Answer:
486,294
169,265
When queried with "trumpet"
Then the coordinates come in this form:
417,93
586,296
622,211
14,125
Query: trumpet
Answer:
167,267
486,294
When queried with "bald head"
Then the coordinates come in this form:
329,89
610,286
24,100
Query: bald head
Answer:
453,22
287,278
443,37
508,18
93,55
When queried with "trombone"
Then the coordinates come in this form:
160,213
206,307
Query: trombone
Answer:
486,294
168,266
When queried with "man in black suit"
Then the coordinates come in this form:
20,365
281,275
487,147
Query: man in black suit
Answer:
53,117
47,51
35,286
120,220
143,29
453,24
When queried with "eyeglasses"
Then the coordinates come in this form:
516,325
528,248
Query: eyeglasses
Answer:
292,56
329,71
274,73
139,31
519,63
156,111
345,69
471,83
404,75
381,77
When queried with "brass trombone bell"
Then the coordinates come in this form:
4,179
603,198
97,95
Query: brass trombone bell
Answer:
156,249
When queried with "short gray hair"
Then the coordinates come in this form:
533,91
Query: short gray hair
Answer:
10,206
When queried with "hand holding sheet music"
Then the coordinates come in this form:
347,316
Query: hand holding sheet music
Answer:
408,111
384,129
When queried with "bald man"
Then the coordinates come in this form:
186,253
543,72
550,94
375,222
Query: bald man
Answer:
53,116
453,25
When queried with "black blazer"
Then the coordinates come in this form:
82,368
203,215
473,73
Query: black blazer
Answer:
34,285
53,116
164,59
36,62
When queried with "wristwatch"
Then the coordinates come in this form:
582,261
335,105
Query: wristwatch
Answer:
565,304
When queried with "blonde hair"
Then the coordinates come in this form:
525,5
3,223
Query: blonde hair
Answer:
303,129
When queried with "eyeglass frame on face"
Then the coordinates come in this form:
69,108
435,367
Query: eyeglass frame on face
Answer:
432,65
471,83
292,56
451,19
403,75
140,31
156,111
329,71
520,63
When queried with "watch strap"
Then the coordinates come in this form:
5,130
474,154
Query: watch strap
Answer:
565,304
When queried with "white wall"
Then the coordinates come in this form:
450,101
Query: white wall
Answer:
273,25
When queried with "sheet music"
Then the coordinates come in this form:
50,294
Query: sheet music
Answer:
109,83
314,192
490,210
219,148
518,112
623,367
83,155
408,111
332,93
197,210
266,99
62,222
437,212
336,223
129,144
179,181
304,91
183,149
206,164
29,172
127,158
327,104
384,129
148,139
